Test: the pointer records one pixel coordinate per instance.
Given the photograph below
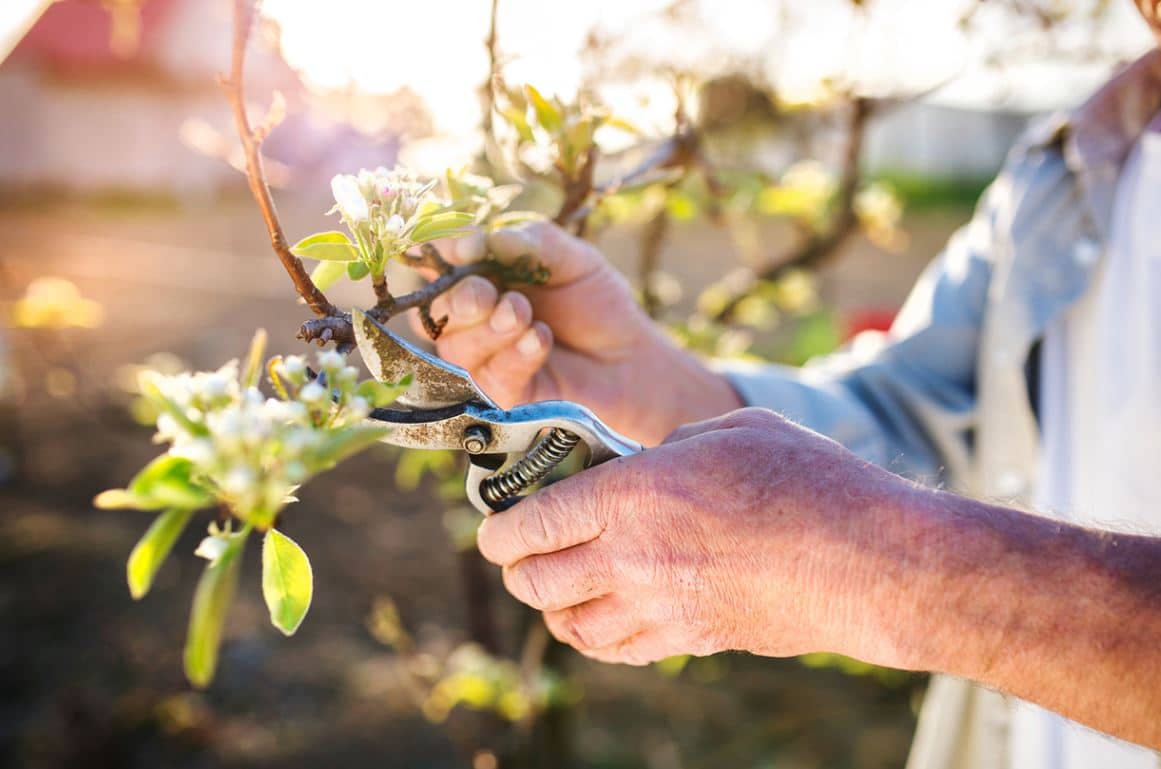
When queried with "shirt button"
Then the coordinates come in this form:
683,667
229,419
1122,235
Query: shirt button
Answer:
1086,252
1009,483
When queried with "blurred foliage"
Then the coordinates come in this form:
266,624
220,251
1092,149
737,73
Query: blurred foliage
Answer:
55,303
924,193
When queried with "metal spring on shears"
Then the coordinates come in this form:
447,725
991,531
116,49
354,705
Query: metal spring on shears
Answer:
548,452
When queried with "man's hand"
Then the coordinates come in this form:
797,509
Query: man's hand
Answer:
743,532
590,342
746,532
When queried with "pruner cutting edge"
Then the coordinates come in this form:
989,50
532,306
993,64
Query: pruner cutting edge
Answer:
510,450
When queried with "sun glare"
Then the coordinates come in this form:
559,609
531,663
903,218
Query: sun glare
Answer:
436,49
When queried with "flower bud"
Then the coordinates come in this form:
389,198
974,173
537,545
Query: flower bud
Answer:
312,392
211,548
352,205
238,480
330,360
394,225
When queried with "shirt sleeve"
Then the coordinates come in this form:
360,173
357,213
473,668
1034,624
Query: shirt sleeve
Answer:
904,399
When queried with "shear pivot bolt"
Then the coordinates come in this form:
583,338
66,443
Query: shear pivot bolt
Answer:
476,439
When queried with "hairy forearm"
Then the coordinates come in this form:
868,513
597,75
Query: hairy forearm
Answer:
1066,617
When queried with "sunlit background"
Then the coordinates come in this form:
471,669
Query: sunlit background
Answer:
128,239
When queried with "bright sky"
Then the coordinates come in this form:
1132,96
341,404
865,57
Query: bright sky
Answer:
435,47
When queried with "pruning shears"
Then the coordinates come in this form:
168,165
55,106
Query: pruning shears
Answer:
510,450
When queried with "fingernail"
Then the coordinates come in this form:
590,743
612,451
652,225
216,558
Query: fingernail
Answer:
466,302
467,249
520,239
529,344
504,317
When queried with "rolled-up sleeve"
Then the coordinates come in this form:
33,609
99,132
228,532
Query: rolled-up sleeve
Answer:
904,399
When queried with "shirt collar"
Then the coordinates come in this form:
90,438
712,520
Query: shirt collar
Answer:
1096,138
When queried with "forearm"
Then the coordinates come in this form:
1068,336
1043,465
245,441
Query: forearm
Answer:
1063,616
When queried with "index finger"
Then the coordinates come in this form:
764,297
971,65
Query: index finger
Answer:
568,258
564,515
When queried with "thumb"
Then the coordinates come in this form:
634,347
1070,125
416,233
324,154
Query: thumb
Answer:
465,249
567,258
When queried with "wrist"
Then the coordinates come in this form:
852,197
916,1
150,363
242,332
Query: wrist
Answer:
891,581
690,391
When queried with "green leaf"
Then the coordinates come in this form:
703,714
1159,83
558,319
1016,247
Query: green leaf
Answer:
357,270
152,550
326,274
380,394
168,482
287,582
254,359
119,499
622,124
165,482
212,598
514,218
344,442
519,122
547,113
447,224
327,247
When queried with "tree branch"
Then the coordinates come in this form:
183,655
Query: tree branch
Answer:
255,174
337,326
819,248
681,150
488,89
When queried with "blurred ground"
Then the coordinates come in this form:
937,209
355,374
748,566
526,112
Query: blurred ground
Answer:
90,679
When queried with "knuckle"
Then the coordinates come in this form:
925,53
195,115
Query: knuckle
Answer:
753,417
570,627
524,581
536,528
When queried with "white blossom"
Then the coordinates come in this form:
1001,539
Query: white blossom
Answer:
238,480
212,547
349,198
330,360
200,451
312,392
394,225
292,366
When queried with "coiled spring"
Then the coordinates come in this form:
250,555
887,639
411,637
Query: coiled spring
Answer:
548,452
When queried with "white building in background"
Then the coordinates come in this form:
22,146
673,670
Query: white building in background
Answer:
930,139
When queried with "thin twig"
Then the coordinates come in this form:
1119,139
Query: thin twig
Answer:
384,302
337,326
681,150
819,248
577,190
488,89
652,239
255,174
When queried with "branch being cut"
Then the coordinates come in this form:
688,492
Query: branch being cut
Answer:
337,327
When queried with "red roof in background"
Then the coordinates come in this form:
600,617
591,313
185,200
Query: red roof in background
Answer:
74,35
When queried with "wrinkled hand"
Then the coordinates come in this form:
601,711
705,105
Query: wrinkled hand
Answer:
590,342
744,532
